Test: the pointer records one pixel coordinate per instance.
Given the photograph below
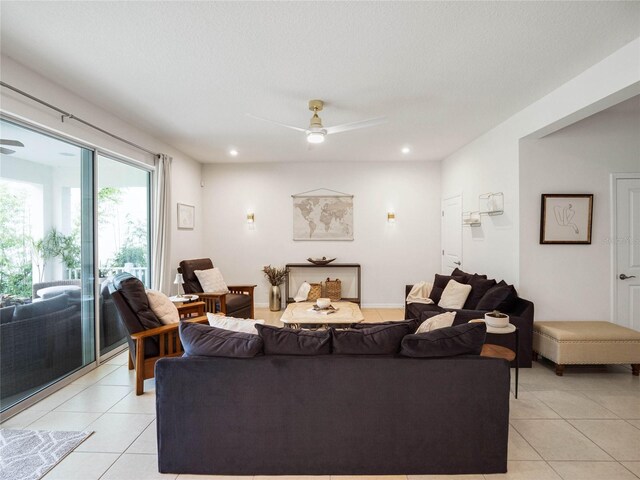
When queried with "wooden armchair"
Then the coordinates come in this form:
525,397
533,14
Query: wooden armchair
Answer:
237,303
148,342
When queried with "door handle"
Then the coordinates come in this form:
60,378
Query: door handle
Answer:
626,277
457,263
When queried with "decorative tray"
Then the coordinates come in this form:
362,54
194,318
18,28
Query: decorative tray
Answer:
320,261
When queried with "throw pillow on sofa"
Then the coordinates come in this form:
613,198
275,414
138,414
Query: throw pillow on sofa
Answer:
245,325
467,338
211,280
164,308
479,286
377,340
286,341
38,309
501,298
439,284
454,295
438,321
207,341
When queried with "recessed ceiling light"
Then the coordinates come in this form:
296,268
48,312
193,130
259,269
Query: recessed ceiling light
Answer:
406,150
233,152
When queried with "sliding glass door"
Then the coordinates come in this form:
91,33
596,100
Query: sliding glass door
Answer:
47,324
123,237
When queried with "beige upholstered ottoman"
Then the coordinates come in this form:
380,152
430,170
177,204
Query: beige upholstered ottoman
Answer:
593,343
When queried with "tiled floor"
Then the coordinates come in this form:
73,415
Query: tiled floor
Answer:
583,426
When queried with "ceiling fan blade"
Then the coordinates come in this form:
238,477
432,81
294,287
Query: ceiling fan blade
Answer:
12,143
6,151
345,127
277,123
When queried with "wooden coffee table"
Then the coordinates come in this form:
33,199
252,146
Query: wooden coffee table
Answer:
297,315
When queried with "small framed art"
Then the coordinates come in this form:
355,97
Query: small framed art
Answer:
186,216
566,218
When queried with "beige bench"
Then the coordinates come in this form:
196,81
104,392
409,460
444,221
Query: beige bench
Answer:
586,343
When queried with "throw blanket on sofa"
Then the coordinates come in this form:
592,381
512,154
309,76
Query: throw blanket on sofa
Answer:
420,293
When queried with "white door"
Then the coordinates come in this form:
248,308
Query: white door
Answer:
451,233
627,240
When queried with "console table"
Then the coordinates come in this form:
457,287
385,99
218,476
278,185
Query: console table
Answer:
294,266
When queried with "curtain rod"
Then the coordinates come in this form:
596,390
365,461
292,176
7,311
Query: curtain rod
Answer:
73,117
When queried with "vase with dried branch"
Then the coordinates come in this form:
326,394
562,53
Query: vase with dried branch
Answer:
276,277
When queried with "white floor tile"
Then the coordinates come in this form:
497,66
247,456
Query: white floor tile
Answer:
388,314
558,440
529,406
56,399
66,421
526,471
445,477
617,437
136,467
82,466
132,403
22,419
573,405
121,376
115,432
635,423
623,404
96,398
94,375
519,449
214,477
592,471
120,359
633,467
147,442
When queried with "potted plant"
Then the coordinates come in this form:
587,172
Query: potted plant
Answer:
496,319
276,277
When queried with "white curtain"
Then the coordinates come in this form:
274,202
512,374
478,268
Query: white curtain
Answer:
162,225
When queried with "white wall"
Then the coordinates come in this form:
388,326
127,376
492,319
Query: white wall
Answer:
490,163
185,185
574,280
391,255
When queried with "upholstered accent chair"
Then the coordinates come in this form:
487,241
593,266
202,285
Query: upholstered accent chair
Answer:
149,340
237,303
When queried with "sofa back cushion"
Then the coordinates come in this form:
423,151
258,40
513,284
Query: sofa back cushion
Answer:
208,341
286,341
439,284
467,338
479,286
43,307
412,322
376,340
134,294
502,297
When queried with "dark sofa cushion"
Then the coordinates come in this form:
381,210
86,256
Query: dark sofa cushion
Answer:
462,339
38,309
6,314
378,340
479,286
286,341
413,324
502,297
133,291
439,284
208,341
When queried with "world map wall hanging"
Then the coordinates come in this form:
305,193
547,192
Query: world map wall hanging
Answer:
319,216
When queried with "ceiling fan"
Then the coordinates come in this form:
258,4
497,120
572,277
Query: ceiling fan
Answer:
315,132
11,143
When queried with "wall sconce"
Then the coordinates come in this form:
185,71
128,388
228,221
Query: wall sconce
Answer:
391,217
251,219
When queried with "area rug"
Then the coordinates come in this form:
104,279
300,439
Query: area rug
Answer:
30,454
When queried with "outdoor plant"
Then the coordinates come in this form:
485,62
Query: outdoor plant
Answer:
275,275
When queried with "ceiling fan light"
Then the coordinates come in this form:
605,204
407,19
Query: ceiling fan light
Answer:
315,137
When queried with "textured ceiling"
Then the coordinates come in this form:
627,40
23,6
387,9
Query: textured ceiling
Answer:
188,72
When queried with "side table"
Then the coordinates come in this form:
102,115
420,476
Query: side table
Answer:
502,352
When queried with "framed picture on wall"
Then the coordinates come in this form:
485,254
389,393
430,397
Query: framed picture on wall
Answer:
186,216
566,218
